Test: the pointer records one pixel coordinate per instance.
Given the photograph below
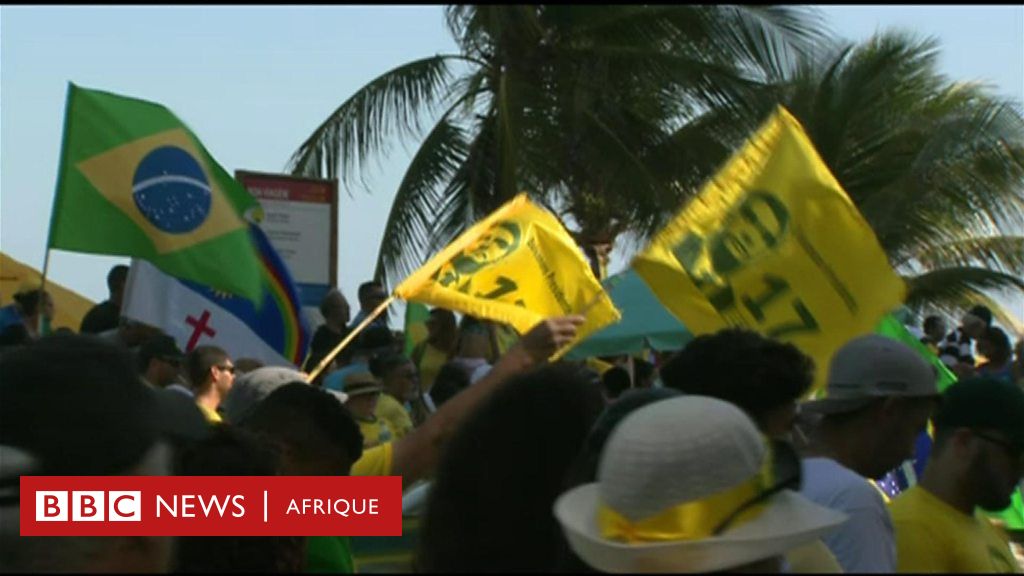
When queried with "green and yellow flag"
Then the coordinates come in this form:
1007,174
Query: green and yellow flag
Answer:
772,243
135,181
517,266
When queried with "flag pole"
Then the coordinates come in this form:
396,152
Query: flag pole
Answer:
41,306
351,336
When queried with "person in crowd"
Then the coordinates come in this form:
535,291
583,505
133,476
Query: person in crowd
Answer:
644,374
489,508
614,382
211,374
879,396
232,451
957,349
336,312
688,484
373,341
160,362
431,354
450,381
764,377
397,375
364,393
107,314
934,331
73,405
976,462
994,345
371,295
316,436
477,347
20,321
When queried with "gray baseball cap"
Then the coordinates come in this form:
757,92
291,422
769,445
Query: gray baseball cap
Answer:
871,367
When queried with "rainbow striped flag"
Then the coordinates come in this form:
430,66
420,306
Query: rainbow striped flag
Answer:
196,315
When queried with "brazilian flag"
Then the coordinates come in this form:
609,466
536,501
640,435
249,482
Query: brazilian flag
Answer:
135,181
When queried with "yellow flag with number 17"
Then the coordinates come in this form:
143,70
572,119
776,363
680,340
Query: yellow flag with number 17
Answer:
772,243
517,266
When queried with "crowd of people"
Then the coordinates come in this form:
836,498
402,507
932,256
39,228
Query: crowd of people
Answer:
703,459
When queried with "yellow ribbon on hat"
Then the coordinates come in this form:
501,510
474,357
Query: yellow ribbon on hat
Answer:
693,520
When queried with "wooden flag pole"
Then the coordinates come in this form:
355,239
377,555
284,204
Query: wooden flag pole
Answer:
351,336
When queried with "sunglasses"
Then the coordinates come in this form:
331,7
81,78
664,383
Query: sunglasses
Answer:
174,362
230,369
786,473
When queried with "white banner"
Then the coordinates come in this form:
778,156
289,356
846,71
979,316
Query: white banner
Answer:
189,317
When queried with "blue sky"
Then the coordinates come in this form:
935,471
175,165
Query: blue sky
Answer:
253,83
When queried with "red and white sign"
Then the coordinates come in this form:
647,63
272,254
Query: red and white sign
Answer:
211,505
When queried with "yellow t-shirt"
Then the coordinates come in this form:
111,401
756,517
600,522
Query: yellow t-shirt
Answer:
375,432
211,415
376,461
932,536
396,416
430,364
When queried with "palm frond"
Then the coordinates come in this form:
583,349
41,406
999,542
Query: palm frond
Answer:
392,105
957,283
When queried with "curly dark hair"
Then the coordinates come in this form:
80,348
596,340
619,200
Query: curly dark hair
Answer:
314,427
756,373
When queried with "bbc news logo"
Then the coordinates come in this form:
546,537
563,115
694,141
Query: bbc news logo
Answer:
211,506
88,506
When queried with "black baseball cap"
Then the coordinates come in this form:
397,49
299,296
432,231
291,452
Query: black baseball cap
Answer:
74,405
160,346
983,403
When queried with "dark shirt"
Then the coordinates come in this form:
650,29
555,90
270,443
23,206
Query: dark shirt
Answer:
325,340
101,317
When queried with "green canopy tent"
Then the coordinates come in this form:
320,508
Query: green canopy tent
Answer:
645,322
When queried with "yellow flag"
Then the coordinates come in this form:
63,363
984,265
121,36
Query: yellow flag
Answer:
772,243
517,266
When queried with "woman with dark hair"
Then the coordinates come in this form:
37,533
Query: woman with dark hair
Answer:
490,505
19,322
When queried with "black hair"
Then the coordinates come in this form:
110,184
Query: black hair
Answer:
199,361
231,451
615,381
366,287
310,423
931,322
30,301
327,303
490,505
116,278
450,380
743,367
642,371
982,312
1000,341
382,364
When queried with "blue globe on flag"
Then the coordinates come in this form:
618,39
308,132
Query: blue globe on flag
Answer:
171,190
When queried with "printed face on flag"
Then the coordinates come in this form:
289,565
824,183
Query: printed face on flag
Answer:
773,244
518,266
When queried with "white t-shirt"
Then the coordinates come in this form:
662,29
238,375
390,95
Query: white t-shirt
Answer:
865,542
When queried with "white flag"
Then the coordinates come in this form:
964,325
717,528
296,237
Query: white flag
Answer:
192,317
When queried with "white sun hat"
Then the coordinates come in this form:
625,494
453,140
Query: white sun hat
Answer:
690,485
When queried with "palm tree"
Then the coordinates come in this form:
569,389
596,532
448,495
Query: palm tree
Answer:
609,115
935,166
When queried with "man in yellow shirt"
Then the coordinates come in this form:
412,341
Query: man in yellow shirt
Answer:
976,462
